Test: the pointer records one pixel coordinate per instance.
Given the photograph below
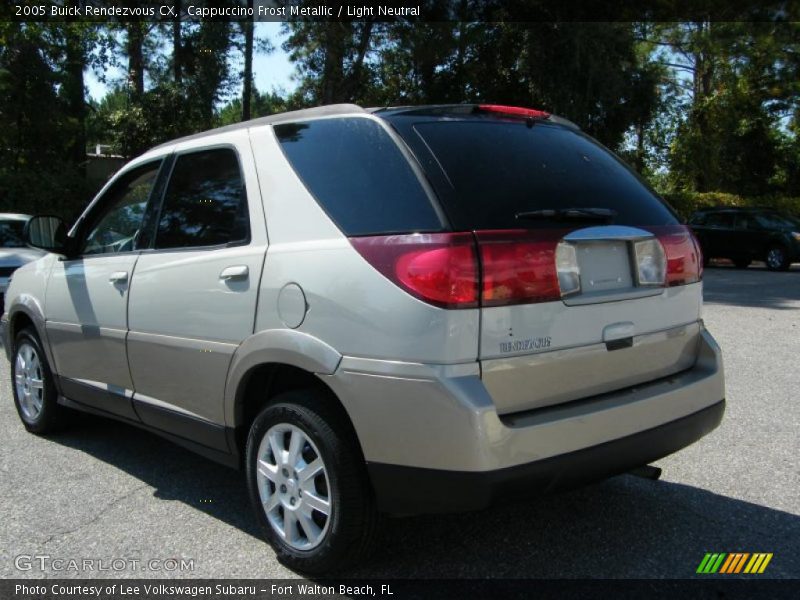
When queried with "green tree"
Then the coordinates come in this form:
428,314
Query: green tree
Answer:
261,105
330,58
207,73
42,118
738,85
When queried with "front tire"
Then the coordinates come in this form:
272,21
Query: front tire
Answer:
308,484
32,383
777,259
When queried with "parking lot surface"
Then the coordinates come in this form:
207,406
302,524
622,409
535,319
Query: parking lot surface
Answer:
104,491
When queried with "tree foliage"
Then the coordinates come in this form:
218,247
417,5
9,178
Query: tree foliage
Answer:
695,107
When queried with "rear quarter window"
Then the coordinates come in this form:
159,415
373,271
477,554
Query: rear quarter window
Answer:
495,169
359,176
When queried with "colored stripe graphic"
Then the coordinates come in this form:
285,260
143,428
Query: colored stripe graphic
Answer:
758,563
727,564
711,562
734,562
702,567
740,564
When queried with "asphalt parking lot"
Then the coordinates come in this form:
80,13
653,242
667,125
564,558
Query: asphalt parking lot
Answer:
108,491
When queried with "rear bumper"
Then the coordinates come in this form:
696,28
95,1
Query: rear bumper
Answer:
409,490
437,424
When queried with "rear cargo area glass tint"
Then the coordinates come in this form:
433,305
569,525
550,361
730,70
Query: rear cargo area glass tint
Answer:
359,176
497,169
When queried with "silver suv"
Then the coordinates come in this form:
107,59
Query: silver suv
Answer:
404,310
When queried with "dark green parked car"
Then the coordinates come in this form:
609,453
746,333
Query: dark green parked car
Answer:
747,234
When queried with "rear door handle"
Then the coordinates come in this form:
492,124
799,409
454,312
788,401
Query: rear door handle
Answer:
118,277
235,272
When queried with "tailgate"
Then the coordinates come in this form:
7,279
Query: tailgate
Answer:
610,334
588,283
533,381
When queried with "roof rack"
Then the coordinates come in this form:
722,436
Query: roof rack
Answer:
295,115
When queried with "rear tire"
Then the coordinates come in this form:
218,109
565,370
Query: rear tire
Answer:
777,259
308,484
33,386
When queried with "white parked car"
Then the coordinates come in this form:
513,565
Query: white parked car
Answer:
13,251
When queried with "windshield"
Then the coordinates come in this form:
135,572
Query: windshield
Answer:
11,234
776,221
496,170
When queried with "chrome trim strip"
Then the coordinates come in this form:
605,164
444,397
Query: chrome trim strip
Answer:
106,387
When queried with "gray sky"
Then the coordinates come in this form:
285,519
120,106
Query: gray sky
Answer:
270,70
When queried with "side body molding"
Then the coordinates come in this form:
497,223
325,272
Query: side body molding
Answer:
285,346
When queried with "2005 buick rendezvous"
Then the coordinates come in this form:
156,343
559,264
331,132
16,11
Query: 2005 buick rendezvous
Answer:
402,310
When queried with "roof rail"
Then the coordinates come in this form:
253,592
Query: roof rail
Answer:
295,115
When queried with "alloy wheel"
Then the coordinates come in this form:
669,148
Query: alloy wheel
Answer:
775,258
28,381
293,486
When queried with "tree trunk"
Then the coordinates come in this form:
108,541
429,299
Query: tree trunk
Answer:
354,77
333,69
703,88
247,88
135,60
177,74
74,92
640,151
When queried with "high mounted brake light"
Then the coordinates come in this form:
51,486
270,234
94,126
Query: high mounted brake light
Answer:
515,111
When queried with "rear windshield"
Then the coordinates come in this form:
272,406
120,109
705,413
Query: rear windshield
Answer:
497,169
359,176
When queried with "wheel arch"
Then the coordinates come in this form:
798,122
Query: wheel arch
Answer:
18,321
27,312
269,363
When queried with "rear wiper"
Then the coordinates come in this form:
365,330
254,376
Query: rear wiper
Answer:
569,214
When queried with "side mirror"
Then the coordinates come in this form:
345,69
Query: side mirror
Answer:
47,232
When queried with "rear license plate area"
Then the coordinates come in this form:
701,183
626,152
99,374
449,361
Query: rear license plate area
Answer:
604,266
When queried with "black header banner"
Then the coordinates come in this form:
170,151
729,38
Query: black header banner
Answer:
506,589
409,10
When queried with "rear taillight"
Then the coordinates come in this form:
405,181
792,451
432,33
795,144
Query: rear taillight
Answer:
498,268
438,268
518,266
651,262
700,258
684,261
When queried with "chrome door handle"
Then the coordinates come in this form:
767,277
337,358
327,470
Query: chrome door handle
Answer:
235,272
118,277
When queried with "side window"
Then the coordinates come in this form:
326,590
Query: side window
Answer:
720,220
358,175
745,222
117,226
205,202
